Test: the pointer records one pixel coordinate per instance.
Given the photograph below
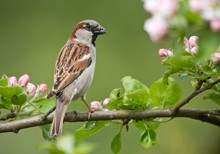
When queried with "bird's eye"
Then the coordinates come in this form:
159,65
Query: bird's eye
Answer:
88,26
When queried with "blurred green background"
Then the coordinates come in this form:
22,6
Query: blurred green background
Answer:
31,35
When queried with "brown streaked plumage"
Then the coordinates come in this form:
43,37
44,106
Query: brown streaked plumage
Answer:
74,69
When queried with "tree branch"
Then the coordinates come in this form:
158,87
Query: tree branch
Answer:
209,116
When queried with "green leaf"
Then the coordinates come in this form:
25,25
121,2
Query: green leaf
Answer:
19,99
148,138
82,132
215,97
43,104
183,76
135,95
45,131
5,103
130,84
146,123
115,99
10,91
65,143
164,93
90,124
180,62
4,81
116,143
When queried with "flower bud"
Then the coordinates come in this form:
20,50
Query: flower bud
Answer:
12,81
30,89
194,50
105,102
164,52
193,41
42,87
215,58
95,105
191,44
23,80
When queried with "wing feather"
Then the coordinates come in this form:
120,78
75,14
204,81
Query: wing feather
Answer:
72,60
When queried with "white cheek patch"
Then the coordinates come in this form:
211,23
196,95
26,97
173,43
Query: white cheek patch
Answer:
85,57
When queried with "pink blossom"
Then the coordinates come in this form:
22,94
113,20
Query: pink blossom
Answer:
194,50
42,87
215,57
163,8
193,41
215,24
105,102
164,52
12,81
191,44
95,105
30,89
157,28
196,5
23,80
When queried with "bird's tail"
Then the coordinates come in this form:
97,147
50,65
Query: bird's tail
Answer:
57,124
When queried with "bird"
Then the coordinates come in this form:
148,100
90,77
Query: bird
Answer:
74,70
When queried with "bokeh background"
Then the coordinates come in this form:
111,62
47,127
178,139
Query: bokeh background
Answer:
31,35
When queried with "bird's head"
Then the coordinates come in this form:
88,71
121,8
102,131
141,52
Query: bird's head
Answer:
87,31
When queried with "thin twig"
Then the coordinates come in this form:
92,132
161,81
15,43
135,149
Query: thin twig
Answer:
197,91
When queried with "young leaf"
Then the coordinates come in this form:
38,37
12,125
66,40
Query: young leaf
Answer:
146,123
135,95
130,84
5,103
82,132
179,62
115,99
43,104
90,124
65,143
45,131
116,143
148,138
215,97
19,99
4,81
10,91
136,100
164,93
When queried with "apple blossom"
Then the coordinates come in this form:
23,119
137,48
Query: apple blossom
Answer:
42,87
191,44
23,80
197,5
12,81
95,105
105,102
157,28
30,89
215,57
165,53
163,8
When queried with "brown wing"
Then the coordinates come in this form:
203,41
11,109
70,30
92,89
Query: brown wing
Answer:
72,60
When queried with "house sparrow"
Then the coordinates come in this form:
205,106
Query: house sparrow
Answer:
74,69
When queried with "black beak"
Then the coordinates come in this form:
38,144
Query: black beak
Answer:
99,30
